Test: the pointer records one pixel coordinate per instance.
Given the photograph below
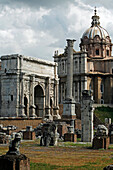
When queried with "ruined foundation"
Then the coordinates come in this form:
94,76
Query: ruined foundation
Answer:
101,142
14,162
28,135
71,137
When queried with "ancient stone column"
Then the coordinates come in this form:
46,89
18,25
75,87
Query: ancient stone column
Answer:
56,106
47,108
87,116
69,103
32,106
69,68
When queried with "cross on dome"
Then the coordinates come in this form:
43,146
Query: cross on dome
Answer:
95,11
95,19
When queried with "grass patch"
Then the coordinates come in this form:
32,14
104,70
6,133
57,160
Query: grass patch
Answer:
28,143
110,146
104,112
68,144
43,166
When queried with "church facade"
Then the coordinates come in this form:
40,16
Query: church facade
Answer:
92,65
28,87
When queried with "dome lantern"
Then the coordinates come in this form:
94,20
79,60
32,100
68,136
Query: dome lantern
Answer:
95,19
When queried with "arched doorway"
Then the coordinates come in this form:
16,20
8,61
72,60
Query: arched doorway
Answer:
25,104
39,101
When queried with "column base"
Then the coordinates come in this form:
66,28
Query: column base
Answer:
22,110
69,109
47,113
32,111
56,113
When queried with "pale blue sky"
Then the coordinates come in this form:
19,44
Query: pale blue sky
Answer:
39,27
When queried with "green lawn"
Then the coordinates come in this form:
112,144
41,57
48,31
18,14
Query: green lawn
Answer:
104,112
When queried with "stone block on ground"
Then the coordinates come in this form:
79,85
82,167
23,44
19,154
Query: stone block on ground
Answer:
71,137
101,143
28,135
14,162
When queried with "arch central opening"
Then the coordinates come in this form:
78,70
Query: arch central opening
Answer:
39,101
26,106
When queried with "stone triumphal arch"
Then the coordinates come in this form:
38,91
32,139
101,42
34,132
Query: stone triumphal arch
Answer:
29,87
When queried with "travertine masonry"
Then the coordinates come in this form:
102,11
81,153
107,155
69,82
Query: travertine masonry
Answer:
29,87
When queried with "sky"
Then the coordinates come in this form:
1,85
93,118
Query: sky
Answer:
37,28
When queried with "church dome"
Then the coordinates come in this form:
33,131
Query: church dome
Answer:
95,29
96,40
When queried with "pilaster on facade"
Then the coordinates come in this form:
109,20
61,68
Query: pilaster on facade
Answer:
84,62
77,98
56,101
47,106
97,87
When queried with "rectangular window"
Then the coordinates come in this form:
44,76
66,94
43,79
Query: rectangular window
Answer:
76,64
97,51
11,97
76,87
102,88
62,66
107,52
102,101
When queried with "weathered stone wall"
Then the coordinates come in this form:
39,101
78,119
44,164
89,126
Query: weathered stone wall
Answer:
39,67
104,66
9,95
95,83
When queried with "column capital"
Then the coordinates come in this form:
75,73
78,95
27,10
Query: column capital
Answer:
70,42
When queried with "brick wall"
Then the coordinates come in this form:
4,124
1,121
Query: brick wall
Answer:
77,124
21,123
